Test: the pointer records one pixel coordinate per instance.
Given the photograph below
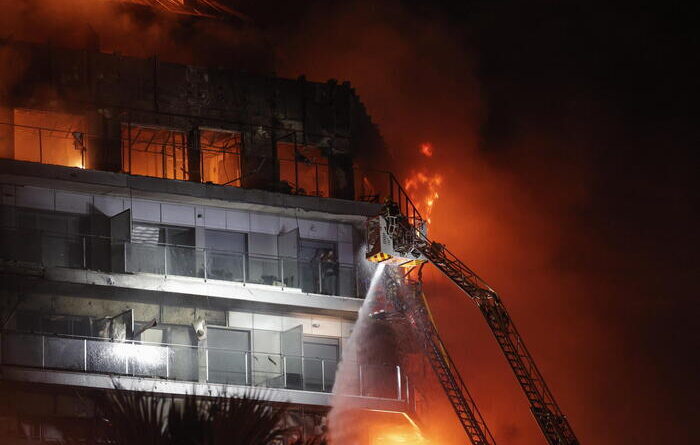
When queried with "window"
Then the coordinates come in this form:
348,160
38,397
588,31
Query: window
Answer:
221,156
162,234
49,137
152,151
304,168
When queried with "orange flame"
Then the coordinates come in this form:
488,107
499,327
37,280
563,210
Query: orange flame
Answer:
423,186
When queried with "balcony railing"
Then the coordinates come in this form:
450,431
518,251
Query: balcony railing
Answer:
197,364
68,146
53,249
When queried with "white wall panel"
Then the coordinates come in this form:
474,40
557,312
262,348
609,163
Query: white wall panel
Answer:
214,218
267,322
287,223
145,210
345,233
199,216
180,215
238,220
320,230
264,223
242,320
108,205
293,321
329,326
345,253
73,202
34,197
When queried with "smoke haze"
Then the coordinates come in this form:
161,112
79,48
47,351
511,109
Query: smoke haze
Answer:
562,188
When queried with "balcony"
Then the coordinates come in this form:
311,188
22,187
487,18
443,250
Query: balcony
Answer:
62,139
80,251
205,365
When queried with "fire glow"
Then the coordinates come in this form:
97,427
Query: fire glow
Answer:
424,185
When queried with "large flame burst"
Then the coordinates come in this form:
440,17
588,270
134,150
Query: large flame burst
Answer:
424,185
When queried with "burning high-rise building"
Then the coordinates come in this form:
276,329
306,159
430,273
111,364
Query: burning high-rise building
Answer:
178,229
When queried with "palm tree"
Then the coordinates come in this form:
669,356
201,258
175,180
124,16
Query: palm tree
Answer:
141,418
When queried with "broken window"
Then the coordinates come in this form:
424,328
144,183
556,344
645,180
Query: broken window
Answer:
304,168
152,151
221,156
49,137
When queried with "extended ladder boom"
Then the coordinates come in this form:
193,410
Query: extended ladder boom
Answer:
412,304
545,409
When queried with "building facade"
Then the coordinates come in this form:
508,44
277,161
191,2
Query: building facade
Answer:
180,229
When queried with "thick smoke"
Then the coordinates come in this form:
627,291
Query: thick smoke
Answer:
543,194
132,30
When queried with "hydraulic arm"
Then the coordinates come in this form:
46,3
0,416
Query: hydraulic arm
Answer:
408,241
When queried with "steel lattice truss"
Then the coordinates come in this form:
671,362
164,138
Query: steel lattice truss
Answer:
410,302
551,420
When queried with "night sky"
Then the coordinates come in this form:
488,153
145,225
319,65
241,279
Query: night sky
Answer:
567,138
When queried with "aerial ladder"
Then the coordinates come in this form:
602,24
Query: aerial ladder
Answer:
398,237
408,302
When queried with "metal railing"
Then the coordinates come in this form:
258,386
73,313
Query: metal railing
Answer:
59,146
303,176
382,186
54,249
197,364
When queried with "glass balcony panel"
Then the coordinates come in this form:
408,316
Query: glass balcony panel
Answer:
183,261
229,367
329,369
293,369
144,257
225,266
329,278
290,272
309,274
21,350
107,357
64,353
346,279
147,360
263,270
267,370
323,278
183,363
313,374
